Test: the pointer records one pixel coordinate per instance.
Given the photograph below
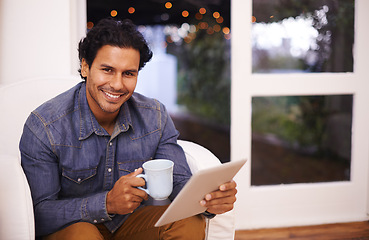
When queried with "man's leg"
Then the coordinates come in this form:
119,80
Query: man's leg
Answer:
77,231
140,225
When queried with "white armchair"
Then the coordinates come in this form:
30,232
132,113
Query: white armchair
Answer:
16,211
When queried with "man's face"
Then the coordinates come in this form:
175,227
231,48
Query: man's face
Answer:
111,79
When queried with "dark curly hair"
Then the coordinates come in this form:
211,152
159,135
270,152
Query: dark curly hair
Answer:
108,31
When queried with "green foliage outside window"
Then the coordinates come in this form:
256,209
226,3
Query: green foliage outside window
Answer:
204,76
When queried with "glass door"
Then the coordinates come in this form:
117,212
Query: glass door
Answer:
299,114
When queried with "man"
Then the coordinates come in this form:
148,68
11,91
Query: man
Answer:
82,150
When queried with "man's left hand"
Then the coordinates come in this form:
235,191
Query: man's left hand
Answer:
221,200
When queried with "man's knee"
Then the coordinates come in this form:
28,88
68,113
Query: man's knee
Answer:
77,231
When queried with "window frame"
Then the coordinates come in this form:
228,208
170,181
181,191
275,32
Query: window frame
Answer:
304,203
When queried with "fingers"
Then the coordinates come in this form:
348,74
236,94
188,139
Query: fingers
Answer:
125,197
219,206
131,189
136,172
225,190
221,200
227,186
132,179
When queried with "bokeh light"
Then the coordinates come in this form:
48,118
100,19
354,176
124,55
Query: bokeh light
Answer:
113,13
226,30
202,11
198,16
168,5
203,25
131,10
90,25
185,13
217,28
216,14
220,19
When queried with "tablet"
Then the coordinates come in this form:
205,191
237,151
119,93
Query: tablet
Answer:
187,202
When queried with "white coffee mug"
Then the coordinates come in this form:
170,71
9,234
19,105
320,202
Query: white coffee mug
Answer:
159,178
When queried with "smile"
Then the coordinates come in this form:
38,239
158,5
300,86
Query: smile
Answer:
112,96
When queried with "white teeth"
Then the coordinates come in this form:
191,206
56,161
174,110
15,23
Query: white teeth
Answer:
112,96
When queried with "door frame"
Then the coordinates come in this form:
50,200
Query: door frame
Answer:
306,203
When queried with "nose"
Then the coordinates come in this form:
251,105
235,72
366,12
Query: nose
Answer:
117,82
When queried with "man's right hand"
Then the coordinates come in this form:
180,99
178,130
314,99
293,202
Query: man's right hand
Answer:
125,197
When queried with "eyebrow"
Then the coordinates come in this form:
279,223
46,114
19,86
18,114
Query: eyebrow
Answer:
103,65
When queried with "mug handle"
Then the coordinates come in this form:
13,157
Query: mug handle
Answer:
144,177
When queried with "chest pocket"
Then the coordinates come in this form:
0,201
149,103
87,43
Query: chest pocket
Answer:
78,183
79,176
128,167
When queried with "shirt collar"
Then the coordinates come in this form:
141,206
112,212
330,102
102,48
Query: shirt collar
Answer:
89,124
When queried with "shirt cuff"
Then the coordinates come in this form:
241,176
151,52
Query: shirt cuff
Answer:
93,209
208,215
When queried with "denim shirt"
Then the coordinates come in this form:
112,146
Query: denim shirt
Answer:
71,162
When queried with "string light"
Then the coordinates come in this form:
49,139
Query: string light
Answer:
185,13
198,16
219,19
90,25
216,14
217,28
226,30
131,10
168,5
113,13
203,25
202,11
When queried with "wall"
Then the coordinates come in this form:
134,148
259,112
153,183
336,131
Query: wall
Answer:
39,38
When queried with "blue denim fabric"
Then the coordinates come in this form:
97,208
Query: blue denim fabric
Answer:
71,162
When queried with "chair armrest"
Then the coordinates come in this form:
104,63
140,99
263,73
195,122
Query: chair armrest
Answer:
197,156
223,225
16,208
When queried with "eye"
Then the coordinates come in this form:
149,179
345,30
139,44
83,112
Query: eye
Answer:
107,70
129,73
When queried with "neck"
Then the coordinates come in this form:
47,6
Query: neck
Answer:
109,128
107,121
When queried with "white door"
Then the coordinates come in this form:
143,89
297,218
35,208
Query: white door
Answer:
294,204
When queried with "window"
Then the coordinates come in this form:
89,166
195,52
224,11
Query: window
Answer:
303,36
301,139
304,114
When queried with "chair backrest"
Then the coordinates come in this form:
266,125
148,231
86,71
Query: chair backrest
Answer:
16,209
17,100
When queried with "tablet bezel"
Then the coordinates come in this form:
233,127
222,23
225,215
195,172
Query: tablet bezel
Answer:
187,202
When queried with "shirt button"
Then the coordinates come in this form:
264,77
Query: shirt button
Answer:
102,219
95,221
79,180
110,144
109,169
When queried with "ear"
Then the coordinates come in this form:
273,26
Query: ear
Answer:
85,68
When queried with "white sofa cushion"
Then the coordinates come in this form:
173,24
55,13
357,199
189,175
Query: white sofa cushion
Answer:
17,100
221,227
16,209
